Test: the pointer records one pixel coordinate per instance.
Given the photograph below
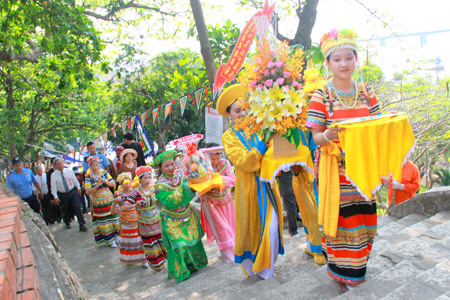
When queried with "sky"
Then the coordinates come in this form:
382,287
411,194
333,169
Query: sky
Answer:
402,17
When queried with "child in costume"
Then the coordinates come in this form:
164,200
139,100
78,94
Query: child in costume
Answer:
180,227
97,184
148,218
218,212
348,232
259,218
130,242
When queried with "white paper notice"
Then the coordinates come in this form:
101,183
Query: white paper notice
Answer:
213,126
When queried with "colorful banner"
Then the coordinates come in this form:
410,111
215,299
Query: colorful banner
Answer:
144,116
105,138
155,113
113,131
198,99
143,138
183,101
132,120
257,24
207,98
167,110
124,125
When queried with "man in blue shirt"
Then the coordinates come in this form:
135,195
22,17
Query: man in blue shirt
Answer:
20,181
104,162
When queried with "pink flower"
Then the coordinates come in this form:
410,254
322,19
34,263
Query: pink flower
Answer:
273,72
269,82
271,64
299,76
253,84
294,83
260,78
286,87
257,60
279,64
334,32
266,72
256,70
272,53
287,74
299,85
280,81
260,86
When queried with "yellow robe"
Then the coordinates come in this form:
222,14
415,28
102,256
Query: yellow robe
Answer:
249,243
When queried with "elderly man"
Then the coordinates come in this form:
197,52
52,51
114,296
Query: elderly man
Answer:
66,189
20,181
128,138
49,212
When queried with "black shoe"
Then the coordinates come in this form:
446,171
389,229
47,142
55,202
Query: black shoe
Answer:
83,228
68,226
292,233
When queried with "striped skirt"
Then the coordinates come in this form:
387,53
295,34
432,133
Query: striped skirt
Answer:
348,252
153,245
105,225
131,246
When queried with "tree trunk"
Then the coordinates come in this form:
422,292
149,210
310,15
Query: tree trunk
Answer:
202,32
307,16
10,106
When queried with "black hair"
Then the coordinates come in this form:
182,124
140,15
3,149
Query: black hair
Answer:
89,144
128,136
328,57
210,145
229,106
52,159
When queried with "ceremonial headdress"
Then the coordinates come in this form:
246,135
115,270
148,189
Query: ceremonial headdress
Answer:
123,176
91,159
342,39
231,94
165,156
142,170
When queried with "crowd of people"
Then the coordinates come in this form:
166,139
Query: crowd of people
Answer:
122,194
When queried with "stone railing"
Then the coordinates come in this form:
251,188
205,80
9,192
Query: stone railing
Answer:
18,273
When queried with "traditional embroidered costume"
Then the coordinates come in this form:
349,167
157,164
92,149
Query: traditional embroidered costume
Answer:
218,212
148,222
348,246
259,219
105,225
130,242
180,227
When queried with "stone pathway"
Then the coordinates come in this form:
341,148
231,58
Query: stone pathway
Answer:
410,260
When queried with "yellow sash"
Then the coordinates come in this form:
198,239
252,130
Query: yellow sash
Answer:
329,189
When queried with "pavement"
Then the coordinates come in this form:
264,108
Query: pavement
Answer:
410,260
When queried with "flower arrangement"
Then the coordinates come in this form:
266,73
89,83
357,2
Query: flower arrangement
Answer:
312,81
198,166
277,102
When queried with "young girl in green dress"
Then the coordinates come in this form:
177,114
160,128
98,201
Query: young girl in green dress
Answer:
180,227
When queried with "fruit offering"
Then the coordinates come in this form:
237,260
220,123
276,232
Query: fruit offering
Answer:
198,166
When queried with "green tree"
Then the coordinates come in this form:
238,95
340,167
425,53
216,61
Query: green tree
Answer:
47,56
147,85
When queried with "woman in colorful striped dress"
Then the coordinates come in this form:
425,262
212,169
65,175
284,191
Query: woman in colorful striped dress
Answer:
218,212
348,232
130,242
97,184
148,218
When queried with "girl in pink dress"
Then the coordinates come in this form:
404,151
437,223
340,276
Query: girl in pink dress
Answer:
218,212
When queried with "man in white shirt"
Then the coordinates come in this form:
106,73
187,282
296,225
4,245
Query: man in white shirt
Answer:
65,188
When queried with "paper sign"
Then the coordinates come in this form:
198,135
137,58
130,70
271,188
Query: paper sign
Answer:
213,126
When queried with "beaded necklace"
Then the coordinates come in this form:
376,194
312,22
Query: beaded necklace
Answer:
339,98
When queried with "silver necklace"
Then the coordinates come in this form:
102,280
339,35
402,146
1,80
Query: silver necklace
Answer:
339,98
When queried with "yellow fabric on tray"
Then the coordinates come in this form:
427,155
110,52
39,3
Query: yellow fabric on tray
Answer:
375,149
202,188
271,166
329,189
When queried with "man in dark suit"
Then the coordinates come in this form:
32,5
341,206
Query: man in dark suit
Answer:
55,209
